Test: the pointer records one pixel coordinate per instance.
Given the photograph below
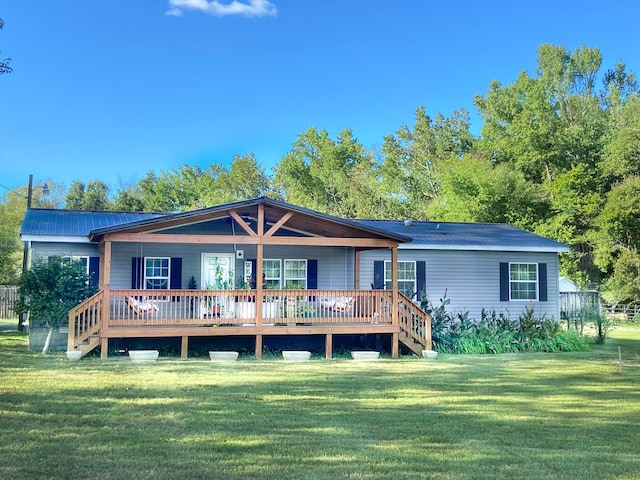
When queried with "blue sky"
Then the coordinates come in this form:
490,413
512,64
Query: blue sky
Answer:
111,89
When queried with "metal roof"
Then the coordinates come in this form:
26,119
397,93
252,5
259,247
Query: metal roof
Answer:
50,222
482,236
412,233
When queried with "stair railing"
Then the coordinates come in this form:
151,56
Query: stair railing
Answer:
85,320
414,322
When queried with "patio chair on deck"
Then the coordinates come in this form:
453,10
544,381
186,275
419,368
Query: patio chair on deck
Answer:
140,307
341,304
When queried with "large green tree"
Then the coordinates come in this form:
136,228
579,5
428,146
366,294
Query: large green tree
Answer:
92,196
618,245
414,159
553,127
192,187
13,205
328,175
244,179
11,215
473,189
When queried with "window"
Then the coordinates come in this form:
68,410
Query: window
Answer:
407,278
156,273
295,274
523,281
272,270
76,258
83,260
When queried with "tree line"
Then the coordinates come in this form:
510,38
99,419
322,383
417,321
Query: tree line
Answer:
558,154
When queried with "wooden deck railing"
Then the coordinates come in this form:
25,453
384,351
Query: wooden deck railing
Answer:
414,322
323,308
85,320
232,307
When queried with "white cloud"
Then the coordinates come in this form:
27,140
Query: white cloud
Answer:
252,8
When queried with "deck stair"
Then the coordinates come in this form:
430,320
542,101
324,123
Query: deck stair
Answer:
85,322
415,326
89,344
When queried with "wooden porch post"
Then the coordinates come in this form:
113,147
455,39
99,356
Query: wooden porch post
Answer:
105,280
258,347
356,268
328,346
259,257
104,347
184,347
394,300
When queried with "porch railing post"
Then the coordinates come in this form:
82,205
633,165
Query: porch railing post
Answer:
72,330
259,286
394,283
105,314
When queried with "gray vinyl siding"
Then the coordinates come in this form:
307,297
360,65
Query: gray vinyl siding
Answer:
335,265
45,250
471,279
334,271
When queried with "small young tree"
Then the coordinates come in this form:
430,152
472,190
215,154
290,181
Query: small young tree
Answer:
600,322
50,289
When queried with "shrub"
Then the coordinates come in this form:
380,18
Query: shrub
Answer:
50,289
497,333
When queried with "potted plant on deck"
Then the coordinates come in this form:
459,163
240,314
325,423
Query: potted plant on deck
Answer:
217,305
271,302
245,302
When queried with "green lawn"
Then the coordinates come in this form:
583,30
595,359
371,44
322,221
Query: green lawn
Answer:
517,416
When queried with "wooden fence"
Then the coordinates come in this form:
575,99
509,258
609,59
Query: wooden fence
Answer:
574,306
629,312
8,295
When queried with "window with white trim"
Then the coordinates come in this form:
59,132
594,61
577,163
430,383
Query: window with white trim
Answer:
272,271
157,273
295,274
407,277
523,281
78,258
82,259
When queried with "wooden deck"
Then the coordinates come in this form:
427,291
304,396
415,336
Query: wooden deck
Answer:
209,313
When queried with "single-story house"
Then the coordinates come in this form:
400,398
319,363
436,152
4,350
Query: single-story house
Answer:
264,267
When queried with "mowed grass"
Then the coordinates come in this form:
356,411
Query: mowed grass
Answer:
516,416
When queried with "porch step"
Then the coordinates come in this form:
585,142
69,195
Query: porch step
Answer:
411,344
92,343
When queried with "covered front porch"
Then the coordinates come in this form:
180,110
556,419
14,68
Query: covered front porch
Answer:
303,307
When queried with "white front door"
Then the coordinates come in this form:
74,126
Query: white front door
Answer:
217,271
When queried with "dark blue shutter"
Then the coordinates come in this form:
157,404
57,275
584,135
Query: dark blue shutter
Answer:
421,273
94,271
504,282
175,276
175,281
136,273
312,274
254,272
378,275
542,282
